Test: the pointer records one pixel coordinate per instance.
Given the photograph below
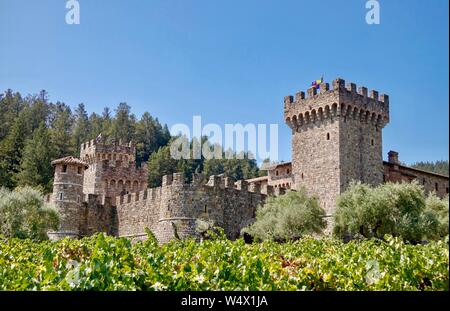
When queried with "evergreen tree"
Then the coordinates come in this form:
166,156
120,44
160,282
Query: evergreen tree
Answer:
159,164
11,104
61,132
35,167
81,130
123,124
11,150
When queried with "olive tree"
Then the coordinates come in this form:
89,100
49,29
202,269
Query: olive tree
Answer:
23,214
287,217
398,209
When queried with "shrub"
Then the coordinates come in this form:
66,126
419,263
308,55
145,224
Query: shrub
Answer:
391,208
440,208
23,214
287,217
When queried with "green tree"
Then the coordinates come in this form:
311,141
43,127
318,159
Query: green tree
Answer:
123,124
61,132
287,217
35,167
439,167
11,149
81,130
149,136
159,164
11,104
391,208
23,214
439,207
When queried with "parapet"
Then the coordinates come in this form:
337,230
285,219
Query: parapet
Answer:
99,149
340,101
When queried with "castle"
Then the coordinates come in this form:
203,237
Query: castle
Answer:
336,138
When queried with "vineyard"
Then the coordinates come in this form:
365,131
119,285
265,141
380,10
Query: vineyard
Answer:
107,263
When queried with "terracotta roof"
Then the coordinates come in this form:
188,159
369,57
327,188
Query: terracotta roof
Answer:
70,160
273,166
257,179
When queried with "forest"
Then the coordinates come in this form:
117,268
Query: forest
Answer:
34,131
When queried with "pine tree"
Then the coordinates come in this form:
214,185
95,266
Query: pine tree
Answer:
81,129
11,150
61,132
35,166
123,124
159,164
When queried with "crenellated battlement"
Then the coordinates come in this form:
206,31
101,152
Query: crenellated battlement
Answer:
98,149
341,101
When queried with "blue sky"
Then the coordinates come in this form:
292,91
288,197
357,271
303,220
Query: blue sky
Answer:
234,61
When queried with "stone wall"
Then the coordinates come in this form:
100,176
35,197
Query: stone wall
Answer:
112,169
98,215
175,206
336,138
396,172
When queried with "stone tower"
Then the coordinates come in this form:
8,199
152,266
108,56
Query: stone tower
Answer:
112,169
68,196
336,138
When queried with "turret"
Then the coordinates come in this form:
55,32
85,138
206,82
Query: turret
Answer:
68,196
336,138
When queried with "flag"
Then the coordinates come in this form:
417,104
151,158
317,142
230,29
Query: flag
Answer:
316,83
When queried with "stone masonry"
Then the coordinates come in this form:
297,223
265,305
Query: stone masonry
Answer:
336,138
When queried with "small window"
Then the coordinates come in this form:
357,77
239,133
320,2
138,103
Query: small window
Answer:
384,178
302,176
205,209
372,142
276,173
423,181
446,190
60,196
80,170
78,199
64,169
436,187
288,171
328,136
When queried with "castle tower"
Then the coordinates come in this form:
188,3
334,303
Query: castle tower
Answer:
336,138
68,196
112,169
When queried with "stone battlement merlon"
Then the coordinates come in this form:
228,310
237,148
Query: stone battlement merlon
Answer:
341,100
97,149
214,182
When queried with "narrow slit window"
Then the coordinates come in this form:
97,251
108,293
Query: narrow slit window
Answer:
328,136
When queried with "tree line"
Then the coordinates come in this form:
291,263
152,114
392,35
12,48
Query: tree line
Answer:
35,131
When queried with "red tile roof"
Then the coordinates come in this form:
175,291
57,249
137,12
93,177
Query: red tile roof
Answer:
70,160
